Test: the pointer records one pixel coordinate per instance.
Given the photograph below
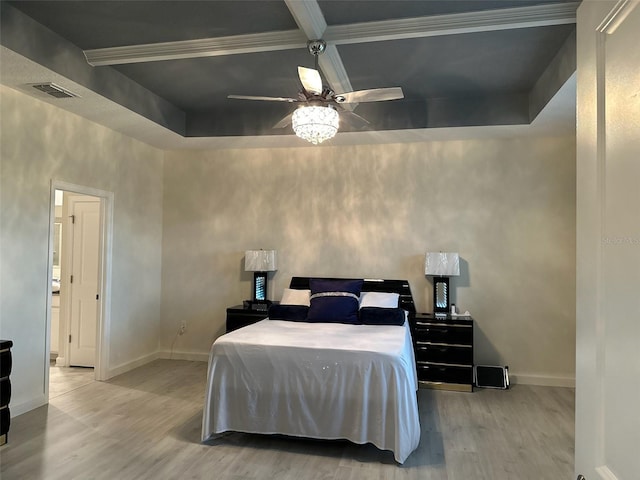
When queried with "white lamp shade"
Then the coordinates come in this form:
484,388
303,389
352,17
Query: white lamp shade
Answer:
260,261
440,264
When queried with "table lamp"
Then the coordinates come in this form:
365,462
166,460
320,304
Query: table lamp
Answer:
441,266
260,262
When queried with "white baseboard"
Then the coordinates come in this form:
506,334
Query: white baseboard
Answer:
60,362
166,354
125,367
542,380
27,406
192,356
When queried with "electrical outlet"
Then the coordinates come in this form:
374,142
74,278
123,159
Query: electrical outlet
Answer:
183,328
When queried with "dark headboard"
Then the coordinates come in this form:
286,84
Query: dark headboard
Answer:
400,287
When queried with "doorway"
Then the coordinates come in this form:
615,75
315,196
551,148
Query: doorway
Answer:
79,271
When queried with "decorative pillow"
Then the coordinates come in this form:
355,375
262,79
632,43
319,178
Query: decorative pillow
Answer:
291,296
334,301
292,313
382,316
379,299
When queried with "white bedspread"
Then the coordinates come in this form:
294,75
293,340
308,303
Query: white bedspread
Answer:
316,380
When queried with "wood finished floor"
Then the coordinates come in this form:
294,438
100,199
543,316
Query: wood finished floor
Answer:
146,424
64,379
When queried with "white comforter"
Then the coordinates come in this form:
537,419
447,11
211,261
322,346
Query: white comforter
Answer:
316,380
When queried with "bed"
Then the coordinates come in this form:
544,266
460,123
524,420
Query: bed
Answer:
322,380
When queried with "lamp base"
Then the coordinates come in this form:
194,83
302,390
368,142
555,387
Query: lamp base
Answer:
440,295
259,286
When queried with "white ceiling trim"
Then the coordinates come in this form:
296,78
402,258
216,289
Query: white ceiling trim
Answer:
307,17
457,23
334,71
204,47
310,19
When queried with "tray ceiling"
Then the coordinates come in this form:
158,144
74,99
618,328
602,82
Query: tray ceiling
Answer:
460,63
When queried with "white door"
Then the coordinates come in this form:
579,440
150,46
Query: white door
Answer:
608,241
85,270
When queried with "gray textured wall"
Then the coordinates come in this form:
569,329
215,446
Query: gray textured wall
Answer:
40,142
507,206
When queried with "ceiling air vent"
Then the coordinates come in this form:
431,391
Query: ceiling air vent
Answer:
54,90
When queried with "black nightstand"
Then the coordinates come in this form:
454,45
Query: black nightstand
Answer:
444,351
238,317
6,363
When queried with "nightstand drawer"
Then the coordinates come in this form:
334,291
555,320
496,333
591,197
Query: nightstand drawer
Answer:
441,353
445,373
441,333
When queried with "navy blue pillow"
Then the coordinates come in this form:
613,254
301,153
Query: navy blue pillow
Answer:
382,316
334,301
292,313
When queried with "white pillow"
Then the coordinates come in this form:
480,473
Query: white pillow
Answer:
379,299
291,296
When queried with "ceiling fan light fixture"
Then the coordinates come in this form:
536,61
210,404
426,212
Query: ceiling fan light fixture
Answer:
315,123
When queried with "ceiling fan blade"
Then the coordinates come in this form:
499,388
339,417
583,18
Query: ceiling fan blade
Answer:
284,122
354,119
268,99
310,80
371,95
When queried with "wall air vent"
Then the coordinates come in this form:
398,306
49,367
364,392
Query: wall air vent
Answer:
54,90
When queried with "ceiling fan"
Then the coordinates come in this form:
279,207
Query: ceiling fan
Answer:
316,119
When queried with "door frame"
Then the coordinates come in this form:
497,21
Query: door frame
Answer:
596,20
103,327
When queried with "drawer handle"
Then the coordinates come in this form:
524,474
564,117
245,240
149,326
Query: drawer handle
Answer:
433,349
431,367
438,330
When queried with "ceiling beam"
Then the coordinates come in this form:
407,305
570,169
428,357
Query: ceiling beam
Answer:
306,15
204,47
455,23
311,21
334,71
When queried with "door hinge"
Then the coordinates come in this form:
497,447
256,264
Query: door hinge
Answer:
73,218
71,279
97,296
69,338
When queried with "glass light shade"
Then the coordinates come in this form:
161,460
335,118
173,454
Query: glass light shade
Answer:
442,264
260,261
315,124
